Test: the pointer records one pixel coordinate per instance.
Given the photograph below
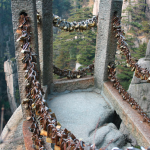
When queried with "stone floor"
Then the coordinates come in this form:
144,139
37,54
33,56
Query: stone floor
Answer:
81,112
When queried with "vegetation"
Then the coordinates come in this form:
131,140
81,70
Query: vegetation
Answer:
139,26
75,46
5,26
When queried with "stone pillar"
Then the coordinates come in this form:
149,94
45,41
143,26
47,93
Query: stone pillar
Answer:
45,40
29,7
106,42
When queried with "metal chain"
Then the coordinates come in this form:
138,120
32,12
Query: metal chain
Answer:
139,72
72,26
44,122
74,74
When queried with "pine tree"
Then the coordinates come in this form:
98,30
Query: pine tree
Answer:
139,26
77,46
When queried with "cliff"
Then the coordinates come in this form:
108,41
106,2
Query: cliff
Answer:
11,77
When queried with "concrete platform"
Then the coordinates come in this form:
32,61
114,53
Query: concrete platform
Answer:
80,112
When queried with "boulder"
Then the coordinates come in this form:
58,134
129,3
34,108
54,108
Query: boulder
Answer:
84,112
107,136
139,89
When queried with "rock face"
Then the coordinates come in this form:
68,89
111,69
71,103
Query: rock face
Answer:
108,136
11,77
140,89
123,129
12,135
96,7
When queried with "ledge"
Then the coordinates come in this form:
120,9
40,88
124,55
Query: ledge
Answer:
73,84
27,135
130,117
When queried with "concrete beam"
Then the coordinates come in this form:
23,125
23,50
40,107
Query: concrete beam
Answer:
106,42
45,40
29,7
74,84
130,117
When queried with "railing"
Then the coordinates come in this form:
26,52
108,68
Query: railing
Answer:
44,122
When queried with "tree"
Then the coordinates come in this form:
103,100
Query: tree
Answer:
76,46
139,25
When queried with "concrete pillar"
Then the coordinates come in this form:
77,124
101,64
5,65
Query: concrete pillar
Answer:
45,39
106,42
29,7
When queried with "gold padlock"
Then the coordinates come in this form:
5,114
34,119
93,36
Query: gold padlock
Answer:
43,132
134,107
142,77
48,140
37,114
53,115
57,147
58,123
33,105
133,69
49,110
36,147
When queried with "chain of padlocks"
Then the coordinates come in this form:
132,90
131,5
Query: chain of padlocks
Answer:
141,73
44,122
72,26
73,74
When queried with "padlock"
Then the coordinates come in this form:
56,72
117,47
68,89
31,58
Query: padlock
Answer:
26,100
134,107
37,113
142,77
34,108
53,115
48,140
148,80
36,147
22,37
58,127
43,132
49,133
78,76
57,147
33,104
26,106
128,65
133,69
